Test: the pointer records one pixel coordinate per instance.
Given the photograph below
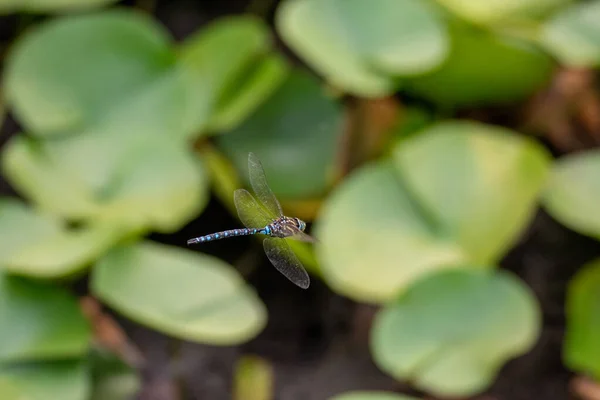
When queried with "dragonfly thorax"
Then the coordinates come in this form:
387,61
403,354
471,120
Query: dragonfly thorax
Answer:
286,226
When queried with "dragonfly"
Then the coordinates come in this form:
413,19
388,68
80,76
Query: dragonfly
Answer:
265,217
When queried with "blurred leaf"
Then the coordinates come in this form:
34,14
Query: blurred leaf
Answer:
573,194
582,350
64,380
573,35
451,332
64,253
184,294
294,134
457,193
227,71
21,227
496,11
8,6
480,183
371,395
254,379
39,322
38,245
106,72
362,46
112,379
246,96
116,73
483,68
155,184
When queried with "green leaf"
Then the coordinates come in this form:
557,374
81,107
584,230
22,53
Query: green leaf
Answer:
39,322
573,193
371,395
573,35
297,121
112,378
64,380
497,11
37,245
184,294
228,71
581,349
480,183
457,193
10,6
107,72
483,68
116,73
451,332
363,46
150,184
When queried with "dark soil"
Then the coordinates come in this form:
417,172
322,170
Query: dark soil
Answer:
316,340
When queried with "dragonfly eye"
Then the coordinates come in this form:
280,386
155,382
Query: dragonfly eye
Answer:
301,224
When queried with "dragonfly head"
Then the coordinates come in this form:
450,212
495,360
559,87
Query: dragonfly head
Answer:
300,224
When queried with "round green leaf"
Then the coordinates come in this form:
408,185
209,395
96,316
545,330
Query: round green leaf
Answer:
64,380
110,69
582,349
187,295
116,73
366,395
573,35
37,245
456,193
483,68
150,184
494,11
39,322
362,46
7,6
573,193
479,183
298,120
451,332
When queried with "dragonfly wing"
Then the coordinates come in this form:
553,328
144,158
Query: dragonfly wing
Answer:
285,261
303,237
250,212
259,184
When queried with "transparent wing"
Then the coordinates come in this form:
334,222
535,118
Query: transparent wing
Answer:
299,235
262,190
285,261
250,212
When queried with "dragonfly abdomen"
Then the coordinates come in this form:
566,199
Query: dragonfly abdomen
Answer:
226,234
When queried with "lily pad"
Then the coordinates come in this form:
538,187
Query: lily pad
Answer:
38,245
155,184
39,322
483,68
64,380
361,46
457,193
573,35
294,133
573,193
118,73
581,350
497,11
366,395
187,295
451,332
7,6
